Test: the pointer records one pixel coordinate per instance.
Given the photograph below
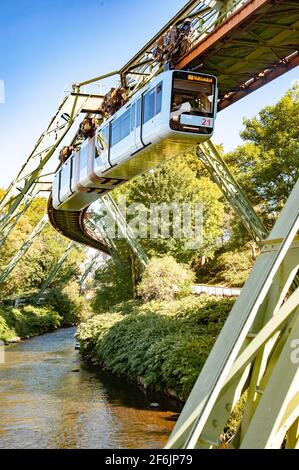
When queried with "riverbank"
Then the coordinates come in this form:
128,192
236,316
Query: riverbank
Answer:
27,321
160,345
49,399
61,308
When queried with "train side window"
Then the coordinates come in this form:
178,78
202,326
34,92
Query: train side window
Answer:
102,140
133,116
125,124
83,157
64,177
149,106
138,113
159,93
105,133
120,128
71,172
115,137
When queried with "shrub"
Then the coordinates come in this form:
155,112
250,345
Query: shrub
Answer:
114,285
71,306
164,279
27,321
6,333
230,268
162,344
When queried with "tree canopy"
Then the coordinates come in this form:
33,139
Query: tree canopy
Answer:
267,163
34,267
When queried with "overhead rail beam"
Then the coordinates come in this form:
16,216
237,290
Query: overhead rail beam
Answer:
206,16
245,51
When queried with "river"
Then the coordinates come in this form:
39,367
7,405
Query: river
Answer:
50,399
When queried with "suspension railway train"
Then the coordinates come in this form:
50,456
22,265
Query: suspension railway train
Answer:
172,113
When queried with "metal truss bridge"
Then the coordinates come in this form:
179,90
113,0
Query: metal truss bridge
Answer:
246,44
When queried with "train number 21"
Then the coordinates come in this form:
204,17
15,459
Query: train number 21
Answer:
206,122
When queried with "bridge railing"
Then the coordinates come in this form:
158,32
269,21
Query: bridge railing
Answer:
218,291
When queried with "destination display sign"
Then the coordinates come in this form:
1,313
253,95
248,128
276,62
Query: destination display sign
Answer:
200,78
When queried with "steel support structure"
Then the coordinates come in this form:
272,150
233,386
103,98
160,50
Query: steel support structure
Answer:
24,248
111,223
222,176
89,268
28,178
125,230
257,352
8,229
206,15
53,272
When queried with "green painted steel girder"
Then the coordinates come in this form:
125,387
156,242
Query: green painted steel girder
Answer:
127,233
222,176
253,352
54,271
10,202
89,268
24,248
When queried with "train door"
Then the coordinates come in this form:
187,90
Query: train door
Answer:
138,128
55,190
133,146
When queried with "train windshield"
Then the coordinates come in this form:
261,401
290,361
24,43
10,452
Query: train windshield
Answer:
192,95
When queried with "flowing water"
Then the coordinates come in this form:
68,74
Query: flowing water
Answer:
49,399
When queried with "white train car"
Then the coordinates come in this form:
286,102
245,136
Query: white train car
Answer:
172,113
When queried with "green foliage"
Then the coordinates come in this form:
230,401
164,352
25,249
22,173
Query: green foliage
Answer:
27,321
34,267
179,181
161,344
230,268
6,332
113,285
267,164
236,416
165,279
72,307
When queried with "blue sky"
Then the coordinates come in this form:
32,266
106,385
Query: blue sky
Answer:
45,45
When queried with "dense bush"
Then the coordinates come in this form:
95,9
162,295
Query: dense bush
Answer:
165,279
63,308
35,265
27,321
6,332
230,268
161,344
71,306
113,285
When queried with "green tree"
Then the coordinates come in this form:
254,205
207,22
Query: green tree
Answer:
113,283
267,164
178,181
34,267
165,279
181,180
